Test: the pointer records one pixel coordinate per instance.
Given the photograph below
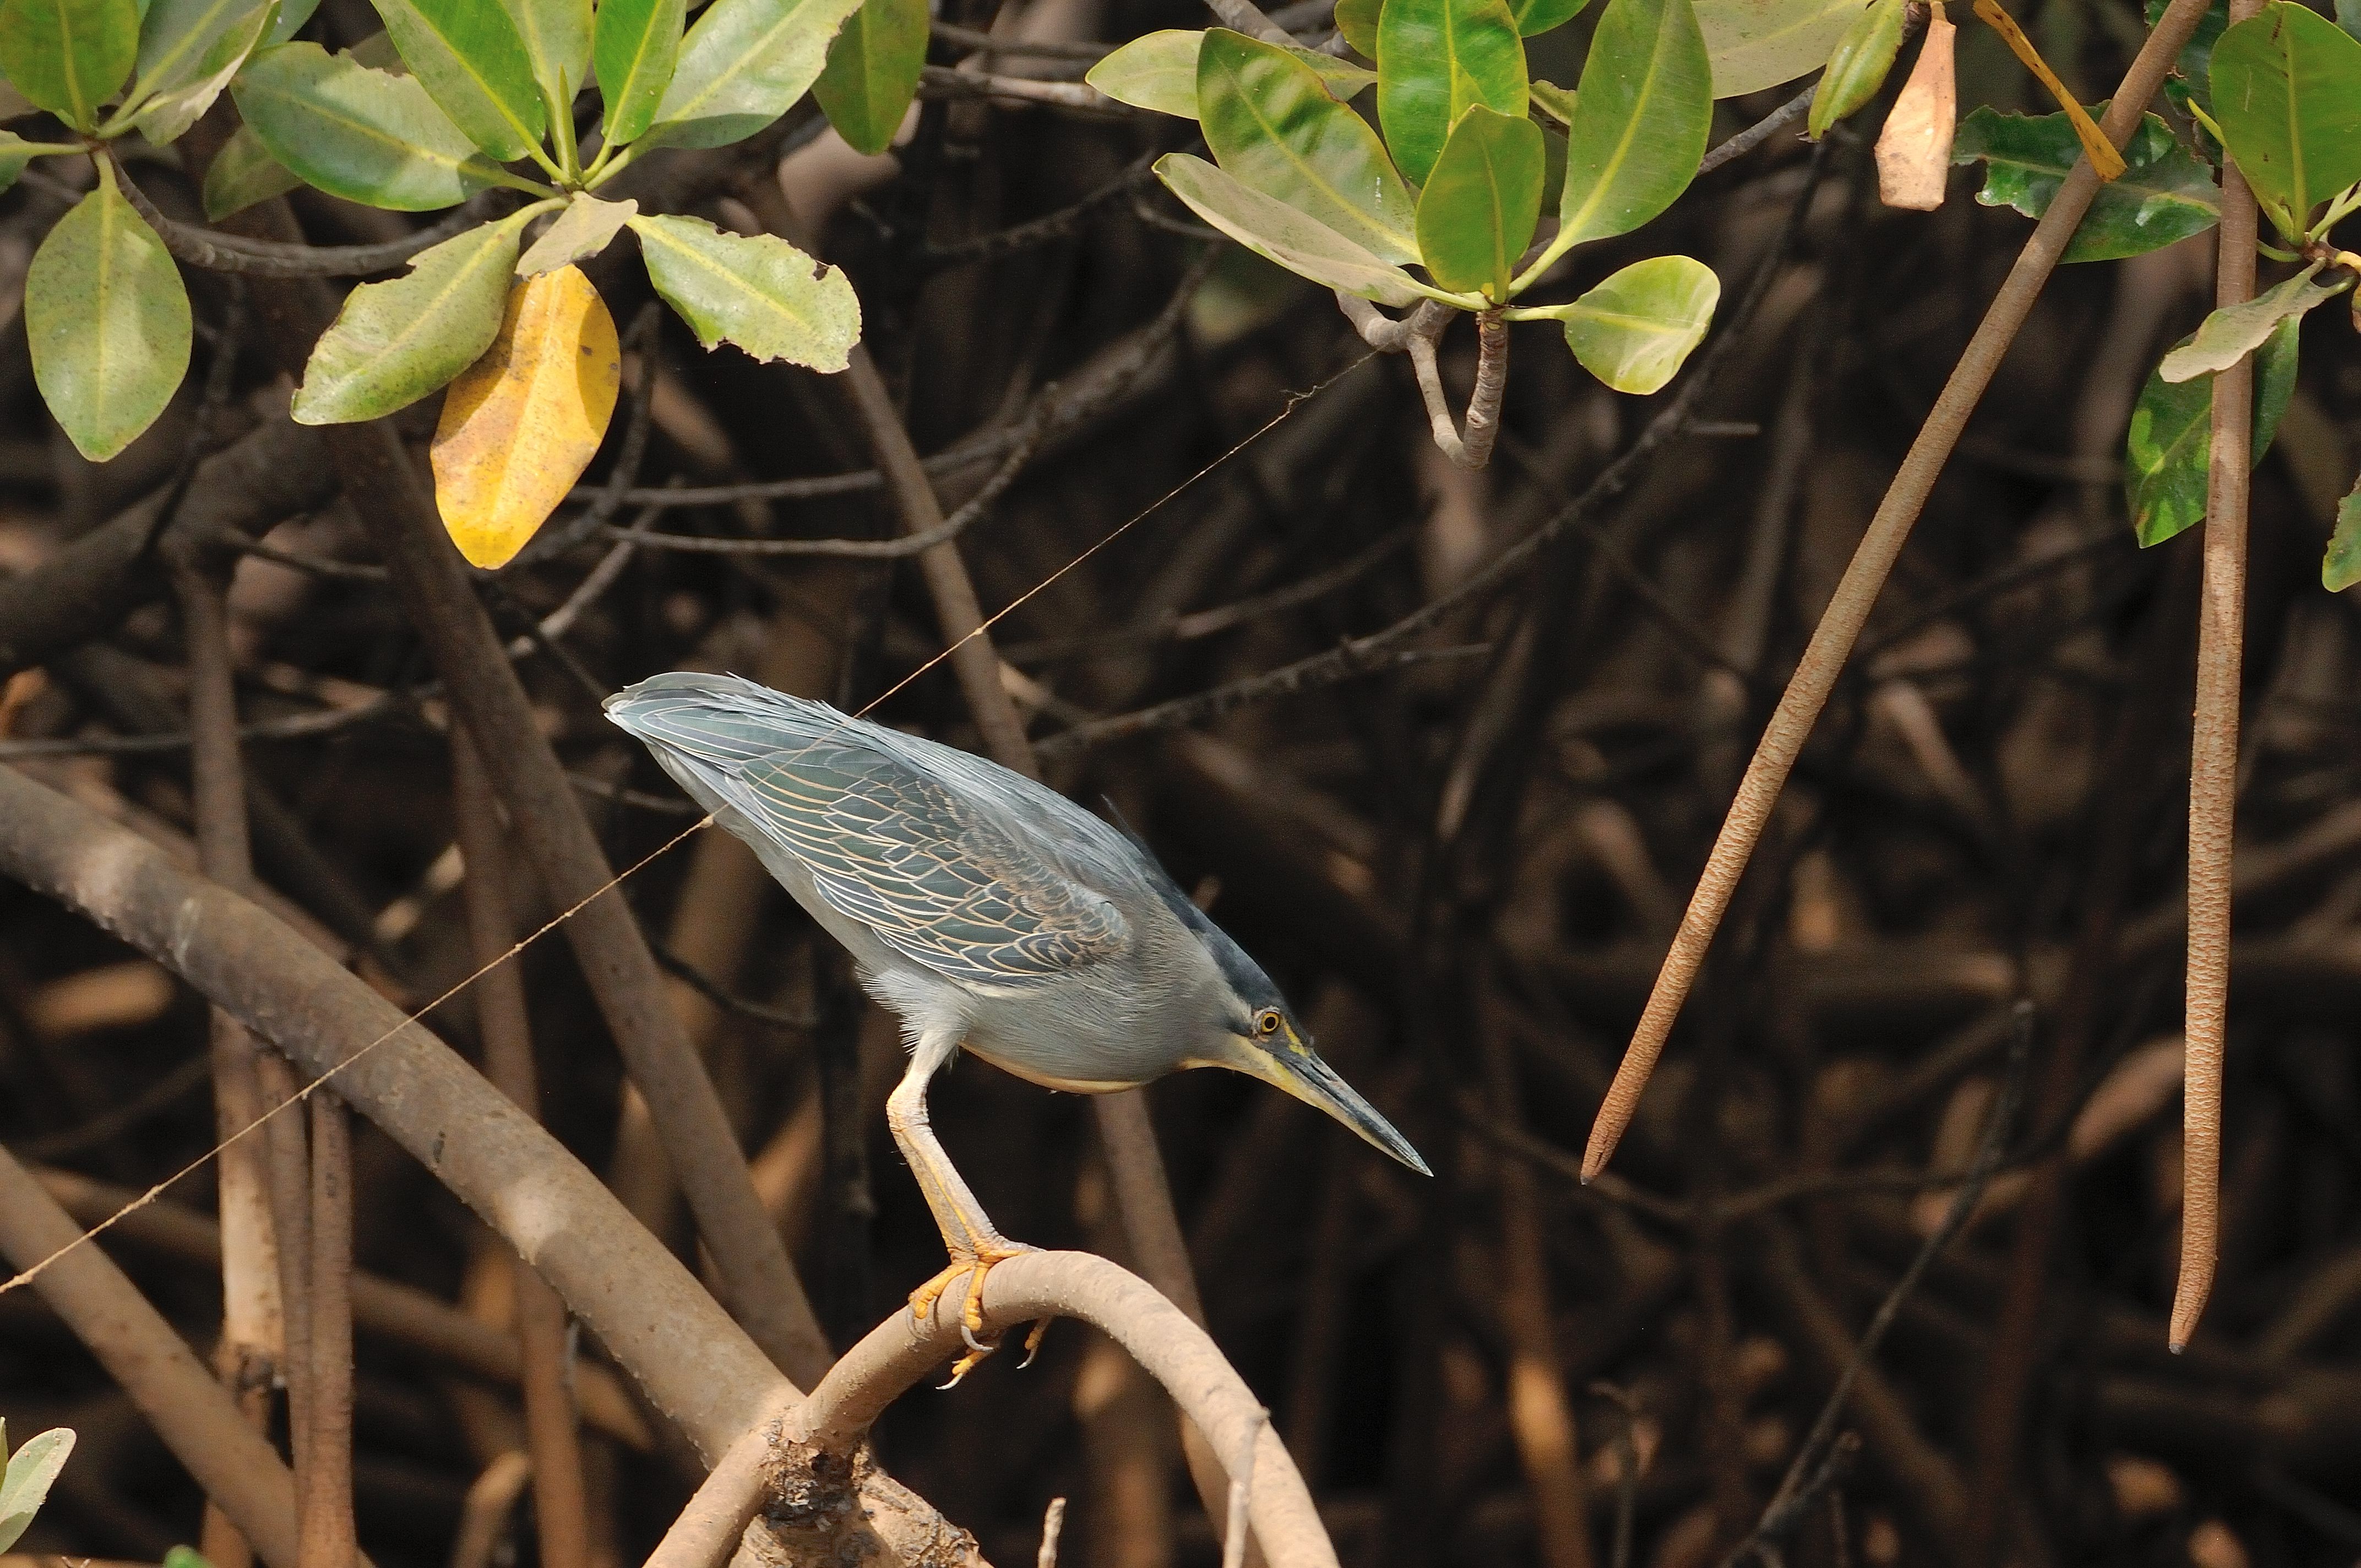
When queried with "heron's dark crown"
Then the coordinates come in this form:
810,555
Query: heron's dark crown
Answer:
1240,971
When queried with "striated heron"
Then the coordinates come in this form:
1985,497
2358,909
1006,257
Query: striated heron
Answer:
988,912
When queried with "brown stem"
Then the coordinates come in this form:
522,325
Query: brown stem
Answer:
382,486
2213,766
403,1314
324,1474
560,1510
1541,1417
251,1354
147,1358
1848,606
1473,450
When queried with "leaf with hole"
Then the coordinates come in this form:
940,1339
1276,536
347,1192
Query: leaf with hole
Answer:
871,72
1858,68
2166,455
2287,94
367,135
393,343
636,44
108,319
2230,333
1277,232
1639,121
521,423
31,1471
1477,212
1755,44
2341,567
242,173
1272,127
2165,193
197,46
743,65
1435,60
1634,330
756,292
69,56
471,60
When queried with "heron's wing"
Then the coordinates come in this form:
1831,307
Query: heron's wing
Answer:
925,867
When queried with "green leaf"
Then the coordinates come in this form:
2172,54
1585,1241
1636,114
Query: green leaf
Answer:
2230,333
292,15
32,1469
1436,57
743,65
242,173
69,56
872,72
363,134
1553,100
1634,330
1640,120
1755,44
185,1557
393,343
15,152
188,50
761,293
1478,210
1159,72
1156,70
2166,459
1277,232
471,60
582,230
108,321
1535,17
2341,567
1857,69
2286,93
2165,193
1273,127
1357,20
636,45
556,35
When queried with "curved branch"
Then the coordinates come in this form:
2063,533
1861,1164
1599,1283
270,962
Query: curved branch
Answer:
813,1445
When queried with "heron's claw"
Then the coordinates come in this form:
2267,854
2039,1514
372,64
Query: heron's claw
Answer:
1033,1342
925,1298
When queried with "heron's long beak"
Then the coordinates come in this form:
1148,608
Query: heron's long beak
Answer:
1314,1081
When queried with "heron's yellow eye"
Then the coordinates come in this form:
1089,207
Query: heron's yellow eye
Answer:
1267,1024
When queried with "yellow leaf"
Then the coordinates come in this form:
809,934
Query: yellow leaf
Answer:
520,424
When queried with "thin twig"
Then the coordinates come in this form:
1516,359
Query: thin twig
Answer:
218,252
1856,592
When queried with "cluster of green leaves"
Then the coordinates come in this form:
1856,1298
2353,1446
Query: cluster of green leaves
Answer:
463,92
26,1479
1452,177
454,97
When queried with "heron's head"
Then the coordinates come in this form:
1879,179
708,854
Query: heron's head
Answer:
1255,1032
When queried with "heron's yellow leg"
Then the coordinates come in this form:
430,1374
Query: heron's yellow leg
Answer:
968,1234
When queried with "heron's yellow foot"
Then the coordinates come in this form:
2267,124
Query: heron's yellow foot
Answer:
976,1267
